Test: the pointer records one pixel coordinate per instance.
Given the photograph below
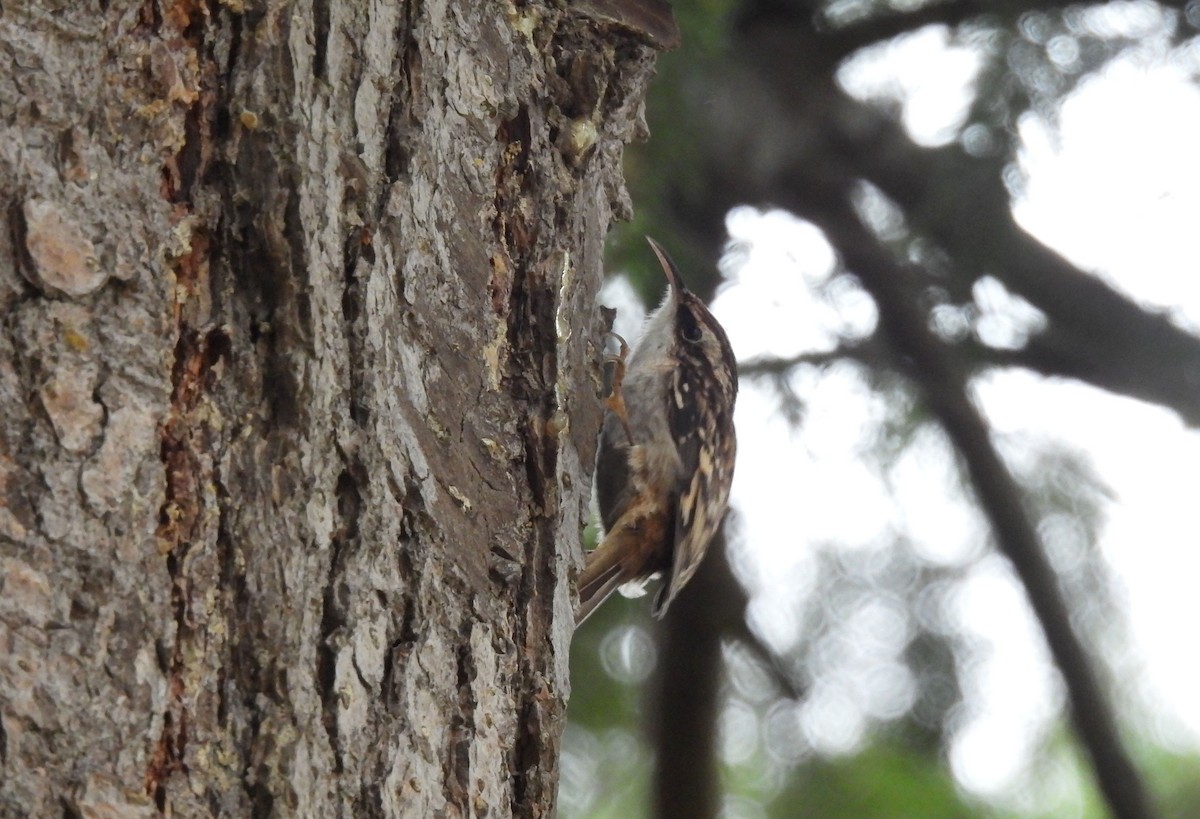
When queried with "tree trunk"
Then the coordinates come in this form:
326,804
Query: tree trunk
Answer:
298,399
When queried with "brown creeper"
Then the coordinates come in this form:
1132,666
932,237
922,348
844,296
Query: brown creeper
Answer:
665,460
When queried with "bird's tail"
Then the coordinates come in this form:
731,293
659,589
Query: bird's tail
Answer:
629,551
602,574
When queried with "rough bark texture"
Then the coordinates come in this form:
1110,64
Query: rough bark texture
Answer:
298,399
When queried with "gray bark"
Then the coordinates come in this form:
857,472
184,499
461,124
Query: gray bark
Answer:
297,376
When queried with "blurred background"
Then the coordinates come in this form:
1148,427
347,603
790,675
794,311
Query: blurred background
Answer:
959,262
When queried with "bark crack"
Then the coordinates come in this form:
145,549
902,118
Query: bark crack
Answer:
186,437
320,12
334,618
462,727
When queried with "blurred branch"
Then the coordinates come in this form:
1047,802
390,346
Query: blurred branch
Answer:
842,41
771,661
1094,333
943,380
836,41
771,129
688,682
711,607
804,147
769,366
1036,355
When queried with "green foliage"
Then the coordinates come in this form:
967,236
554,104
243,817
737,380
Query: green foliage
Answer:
1173,776
599,698
883,781
605,759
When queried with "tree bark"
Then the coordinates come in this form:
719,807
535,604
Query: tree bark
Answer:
298,399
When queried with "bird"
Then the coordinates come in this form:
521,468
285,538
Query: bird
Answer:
666,453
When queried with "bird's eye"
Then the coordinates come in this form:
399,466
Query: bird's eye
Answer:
689,327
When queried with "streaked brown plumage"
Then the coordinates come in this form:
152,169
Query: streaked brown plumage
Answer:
666,454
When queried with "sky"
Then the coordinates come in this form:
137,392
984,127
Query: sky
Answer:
1113,183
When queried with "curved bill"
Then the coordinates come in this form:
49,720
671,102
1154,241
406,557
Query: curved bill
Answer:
668,266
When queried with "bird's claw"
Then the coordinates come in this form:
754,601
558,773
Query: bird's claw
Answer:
616,398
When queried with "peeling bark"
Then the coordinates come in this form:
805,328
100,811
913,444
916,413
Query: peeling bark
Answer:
297,376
